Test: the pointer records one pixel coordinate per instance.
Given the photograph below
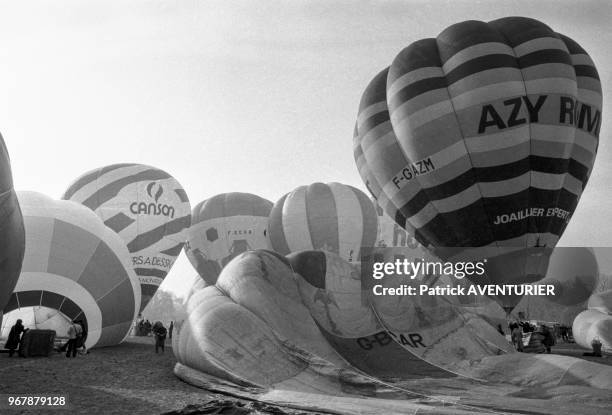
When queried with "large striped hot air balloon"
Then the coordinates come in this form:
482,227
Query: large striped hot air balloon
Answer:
485,137
147,207
223,227
332,217
77,266
12,242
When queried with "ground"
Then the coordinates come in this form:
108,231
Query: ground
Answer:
128,378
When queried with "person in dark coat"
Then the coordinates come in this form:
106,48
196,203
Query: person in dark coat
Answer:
14,337
80,344
170,329
549,339
147,327
159,331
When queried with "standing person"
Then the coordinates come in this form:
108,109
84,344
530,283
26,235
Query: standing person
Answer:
72,339
517,336
14,337
170,329
159,331
147,326
549,339
81,339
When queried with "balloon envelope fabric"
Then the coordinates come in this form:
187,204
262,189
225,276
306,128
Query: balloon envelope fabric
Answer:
147,207
75,264
12,238
484,137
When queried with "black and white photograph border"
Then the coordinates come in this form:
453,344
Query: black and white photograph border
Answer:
189,191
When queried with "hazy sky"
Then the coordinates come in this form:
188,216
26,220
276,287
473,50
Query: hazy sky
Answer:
254,96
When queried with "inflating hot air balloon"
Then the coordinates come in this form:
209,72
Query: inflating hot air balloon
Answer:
484,137
12,240
147,207
333,217
76,265
223,227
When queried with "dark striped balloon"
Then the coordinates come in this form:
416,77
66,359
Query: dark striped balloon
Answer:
147,207
12,238
333,217
485,137
223,227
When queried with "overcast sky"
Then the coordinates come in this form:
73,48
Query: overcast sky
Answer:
254,96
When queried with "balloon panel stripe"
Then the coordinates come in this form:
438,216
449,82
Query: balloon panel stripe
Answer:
173,251
150,272
231,204
276,232
370,221
155,235
495,207
480,64
119,222
418,88
182,195
91,177
321,215
111,190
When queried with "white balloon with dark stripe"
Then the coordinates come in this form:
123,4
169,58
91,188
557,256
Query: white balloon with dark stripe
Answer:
147,207
77,266
332,217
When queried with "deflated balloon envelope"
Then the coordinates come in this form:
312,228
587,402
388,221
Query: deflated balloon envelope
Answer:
389,336
333,217
251,327
75,264
147,207
12,240
484,137
223,227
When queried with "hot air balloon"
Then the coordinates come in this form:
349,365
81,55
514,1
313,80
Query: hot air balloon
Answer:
223,227
76,265
485,137
147,207
236,329
333,217
388,335
12,239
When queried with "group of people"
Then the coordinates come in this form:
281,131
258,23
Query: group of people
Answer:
77,334
521,326
145,328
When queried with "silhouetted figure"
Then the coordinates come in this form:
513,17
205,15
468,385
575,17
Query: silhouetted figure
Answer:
74,332
159,331
170,329
14,337
147,327
549,339
517,336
